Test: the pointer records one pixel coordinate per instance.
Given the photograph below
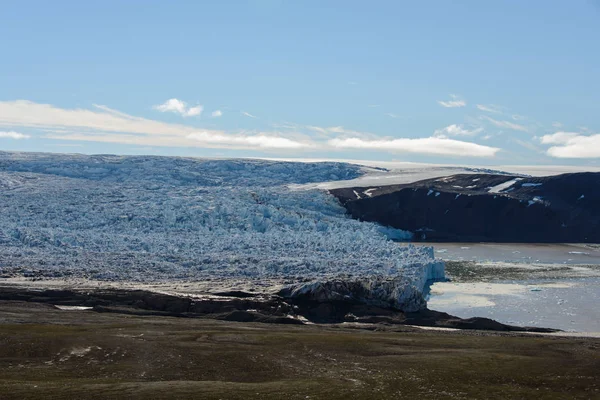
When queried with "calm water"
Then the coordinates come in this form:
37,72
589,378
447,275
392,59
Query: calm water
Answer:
519,253
556,286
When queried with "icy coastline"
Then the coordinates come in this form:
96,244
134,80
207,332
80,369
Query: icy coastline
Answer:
156,219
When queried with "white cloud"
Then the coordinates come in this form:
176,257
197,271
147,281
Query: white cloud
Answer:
247,114
431,145
193,111
50,118
505,124
103,124
216,113
13,135
456,130
572,145
557,124
111,126
559,137
455,102
392,115
179,107
489,108
260,140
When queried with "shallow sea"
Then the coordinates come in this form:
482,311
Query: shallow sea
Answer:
546,285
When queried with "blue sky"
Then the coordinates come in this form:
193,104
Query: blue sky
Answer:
477,82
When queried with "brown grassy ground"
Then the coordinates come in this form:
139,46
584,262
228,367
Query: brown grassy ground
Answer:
47,353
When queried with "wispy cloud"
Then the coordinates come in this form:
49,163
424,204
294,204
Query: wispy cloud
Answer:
103,124
345,132
430,145
392,115
456,130
179,107
216,114
528,145
318,129
489,108
505,124
374,105
247,114
107,125
572,145
455,102
13,135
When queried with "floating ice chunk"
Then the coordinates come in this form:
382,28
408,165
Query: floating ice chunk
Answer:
430,192
357,195
528,184
437,194
581,197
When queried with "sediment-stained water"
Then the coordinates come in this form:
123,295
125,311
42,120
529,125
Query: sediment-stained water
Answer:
547,285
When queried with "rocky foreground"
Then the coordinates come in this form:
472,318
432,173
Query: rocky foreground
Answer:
288,307
485,208
50,353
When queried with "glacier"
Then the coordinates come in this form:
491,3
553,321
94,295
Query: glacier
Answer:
157,219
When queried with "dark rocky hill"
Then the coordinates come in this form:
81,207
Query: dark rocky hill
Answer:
485,207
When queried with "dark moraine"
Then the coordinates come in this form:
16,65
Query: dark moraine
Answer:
554,209
243,307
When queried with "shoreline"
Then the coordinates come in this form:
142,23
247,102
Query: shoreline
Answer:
243,307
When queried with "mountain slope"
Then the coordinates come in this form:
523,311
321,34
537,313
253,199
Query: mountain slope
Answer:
485,207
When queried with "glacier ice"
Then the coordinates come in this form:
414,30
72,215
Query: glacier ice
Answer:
152,219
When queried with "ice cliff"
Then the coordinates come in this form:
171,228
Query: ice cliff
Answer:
148,219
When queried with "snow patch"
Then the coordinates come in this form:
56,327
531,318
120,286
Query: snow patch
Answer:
536,199
503,186
73,308
369,192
